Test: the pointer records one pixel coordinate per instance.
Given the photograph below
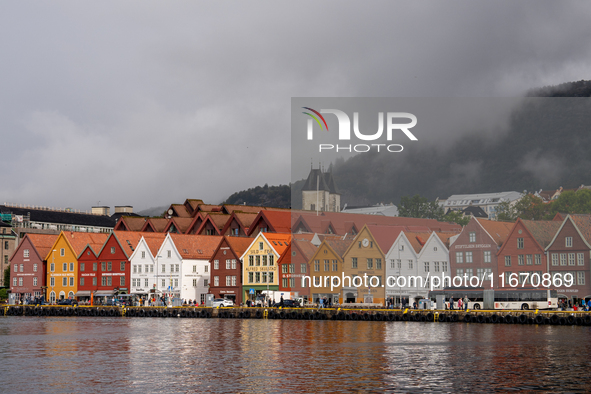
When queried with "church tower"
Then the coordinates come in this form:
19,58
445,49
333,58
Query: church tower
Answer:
320,192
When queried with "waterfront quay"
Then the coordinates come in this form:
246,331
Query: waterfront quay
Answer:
356,314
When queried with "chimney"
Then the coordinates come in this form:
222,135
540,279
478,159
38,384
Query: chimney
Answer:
101,210
123,209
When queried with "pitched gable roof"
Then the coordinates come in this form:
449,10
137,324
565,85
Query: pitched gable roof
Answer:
543,231
499,231
385,236
130,223
181,225
156,225
417,240
200,247
238,244
277,221
42,243
339,246
583,223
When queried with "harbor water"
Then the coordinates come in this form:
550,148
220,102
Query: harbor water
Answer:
134,355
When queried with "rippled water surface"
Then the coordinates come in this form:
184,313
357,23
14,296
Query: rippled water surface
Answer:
85,354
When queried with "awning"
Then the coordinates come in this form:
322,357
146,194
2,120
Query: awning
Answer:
104,293
82,293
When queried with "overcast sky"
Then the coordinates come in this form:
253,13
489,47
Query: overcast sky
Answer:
148,103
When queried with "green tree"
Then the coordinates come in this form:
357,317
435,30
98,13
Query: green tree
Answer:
3,294
419,207
531,207
572,202
457,217
506,212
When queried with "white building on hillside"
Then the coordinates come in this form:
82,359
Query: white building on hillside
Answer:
487,201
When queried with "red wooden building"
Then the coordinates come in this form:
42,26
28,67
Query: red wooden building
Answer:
226,268
28,267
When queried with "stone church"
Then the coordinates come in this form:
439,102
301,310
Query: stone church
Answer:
320,192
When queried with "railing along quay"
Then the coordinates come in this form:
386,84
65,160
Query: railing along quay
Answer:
406,315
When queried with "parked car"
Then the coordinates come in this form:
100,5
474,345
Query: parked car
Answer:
221,302
68,301
288,304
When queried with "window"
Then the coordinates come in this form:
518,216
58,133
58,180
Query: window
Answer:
507,261
260,246
71,281
64,281
436,266
354,262
163,282
271,274
62,252
264,261
52,281
326,265
26,253
519,243
410,264
169,253
303,268
581,278
257,277
122,266
109,266
206,268
65,267
228,280
554,258
233,280
135,269
472,236
469,272
228,264
35,281
335,265
459,257
460,272
35,267
292,282
271,260
72,267
528,259
112,250
520,259
580,259
284,282
122,281
20,281
402,248
538,259
487,258
562,258
94,281
104,266
233,264
143,254
264,277
317,265
426,266
468,257
378,264
392,263
568,242
205,282
250,277
480,272
52,267
194,282
369,264
257,260
444,266
22,268
177,268
292,268
284,268
251,261
146,282
571,259
94,266
14,281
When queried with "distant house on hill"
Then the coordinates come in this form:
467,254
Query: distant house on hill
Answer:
488,202
380,209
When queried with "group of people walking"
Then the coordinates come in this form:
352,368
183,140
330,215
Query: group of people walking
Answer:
462,304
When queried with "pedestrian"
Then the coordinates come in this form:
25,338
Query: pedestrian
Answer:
451,303
460,303
281,302
466,301
320,301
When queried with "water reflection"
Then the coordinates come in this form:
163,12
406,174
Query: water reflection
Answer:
71,354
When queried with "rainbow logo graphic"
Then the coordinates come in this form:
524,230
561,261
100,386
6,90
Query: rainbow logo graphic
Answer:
315,118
